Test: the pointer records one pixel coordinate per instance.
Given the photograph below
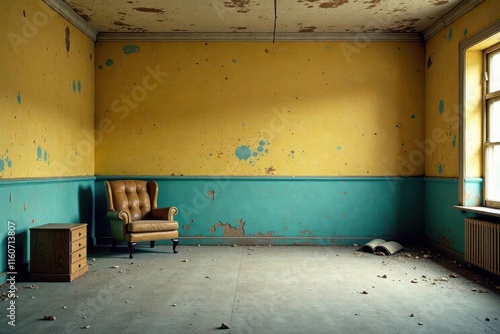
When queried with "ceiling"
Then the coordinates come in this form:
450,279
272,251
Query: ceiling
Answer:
258,16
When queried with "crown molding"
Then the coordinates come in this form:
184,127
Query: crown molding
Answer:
258,37
450,17
69,14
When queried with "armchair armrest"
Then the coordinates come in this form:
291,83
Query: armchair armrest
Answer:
123,215
167,213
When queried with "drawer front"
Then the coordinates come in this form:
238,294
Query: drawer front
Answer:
78,255
78,265
78,233
76,245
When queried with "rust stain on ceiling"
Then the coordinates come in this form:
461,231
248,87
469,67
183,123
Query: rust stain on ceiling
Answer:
221,16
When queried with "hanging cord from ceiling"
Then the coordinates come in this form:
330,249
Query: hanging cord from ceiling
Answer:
275,18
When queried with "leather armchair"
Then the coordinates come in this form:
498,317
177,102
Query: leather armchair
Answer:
134,215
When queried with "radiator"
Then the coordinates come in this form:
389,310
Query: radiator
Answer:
482,244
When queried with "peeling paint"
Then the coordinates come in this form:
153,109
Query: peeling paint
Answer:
149,10
333,3
241,5
264,235
230,231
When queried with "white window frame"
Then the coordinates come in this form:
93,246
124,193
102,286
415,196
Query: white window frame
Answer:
488,145
466,44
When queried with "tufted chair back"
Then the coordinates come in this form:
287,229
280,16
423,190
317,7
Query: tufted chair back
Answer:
138,197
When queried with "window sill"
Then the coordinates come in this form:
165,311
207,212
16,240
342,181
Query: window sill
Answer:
479,209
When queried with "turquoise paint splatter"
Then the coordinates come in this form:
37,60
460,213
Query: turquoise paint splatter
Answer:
454,141
243,152
39,153
234,61
45,156
466,32
79,86
441,106
109,62
18,98
413,116
100,67
2,165
440,169
339,148
450,34
130,48
74,86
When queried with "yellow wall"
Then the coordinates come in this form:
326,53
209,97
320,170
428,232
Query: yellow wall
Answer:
47,93
442,89
257,108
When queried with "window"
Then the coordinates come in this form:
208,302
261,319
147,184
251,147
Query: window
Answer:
492,127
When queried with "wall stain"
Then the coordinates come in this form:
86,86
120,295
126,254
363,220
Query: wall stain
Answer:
130,48
270,170
18,98
121,24
429,61
67,39
450,34
228,230
440,2
373,3
440,169
211,194
441,106
304,232
109,62
454,141
308,29
5,161
81,14
446,242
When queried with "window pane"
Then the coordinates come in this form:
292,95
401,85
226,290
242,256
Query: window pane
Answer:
493,173
494,121
494,73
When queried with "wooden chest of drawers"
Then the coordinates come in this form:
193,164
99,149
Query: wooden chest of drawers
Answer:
58,252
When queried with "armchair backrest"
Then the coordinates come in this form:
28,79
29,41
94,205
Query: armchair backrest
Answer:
136,196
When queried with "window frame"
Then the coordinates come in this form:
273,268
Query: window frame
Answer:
488,98
486,35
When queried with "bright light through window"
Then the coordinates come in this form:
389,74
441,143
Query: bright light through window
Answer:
492,143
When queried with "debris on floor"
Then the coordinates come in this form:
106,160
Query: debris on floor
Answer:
224,326
185,260
49,317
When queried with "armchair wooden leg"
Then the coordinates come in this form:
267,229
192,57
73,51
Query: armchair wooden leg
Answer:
113,245
152,244
175,242
131,247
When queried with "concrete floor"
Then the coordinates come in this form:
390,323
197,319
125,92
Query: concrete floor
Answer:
260,289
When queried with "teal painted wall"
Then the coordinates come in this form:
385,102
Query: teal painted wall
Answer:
443,223
285,210
34,202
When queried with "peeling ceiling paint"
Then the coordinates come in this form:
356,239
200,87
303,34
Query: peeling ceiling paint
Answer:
257,16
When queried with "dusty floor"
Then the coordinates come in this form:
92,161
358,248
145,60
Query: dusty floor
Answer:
260,289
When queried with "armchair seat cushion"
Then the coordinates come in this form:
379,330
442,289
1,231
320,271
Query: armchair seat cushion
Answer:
139,226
